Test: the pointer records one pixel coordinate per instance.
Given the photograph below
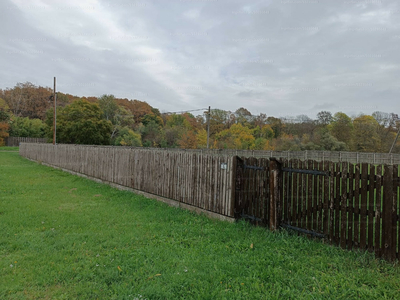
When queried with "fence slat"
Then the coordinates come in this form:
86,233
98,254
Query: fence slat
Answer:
378,212
371,207
350,207
343,204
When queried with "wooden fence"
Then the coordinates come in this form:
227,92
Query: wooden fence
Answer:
354,206
200,180
15,141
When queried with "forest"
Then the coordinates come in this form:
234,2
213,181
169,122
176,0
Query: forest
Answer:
26,110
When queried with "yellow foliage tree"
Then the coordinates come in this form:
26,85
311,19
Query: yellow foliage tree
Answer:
236,137
201,138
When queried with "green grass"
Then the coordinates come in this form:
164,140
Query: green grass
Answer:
9,148
65,237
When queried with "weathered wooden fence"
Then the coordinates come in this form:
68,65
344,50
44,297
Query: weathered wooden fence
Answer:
15,141
201,180
354,206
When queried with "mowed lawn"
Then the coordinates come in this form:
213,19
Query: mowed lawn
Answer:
65,237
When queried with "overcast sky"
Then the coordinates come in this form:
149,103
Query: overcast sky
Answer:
282,58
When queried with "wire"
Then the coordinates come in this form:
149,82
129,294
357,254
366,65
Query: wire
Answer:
182,112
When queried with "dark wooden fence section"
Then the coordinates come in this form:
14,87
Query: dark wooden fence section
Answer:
203,180
252,190
354,206
14,141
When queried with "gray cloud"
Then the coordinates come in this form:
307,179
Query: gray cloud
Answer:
281,57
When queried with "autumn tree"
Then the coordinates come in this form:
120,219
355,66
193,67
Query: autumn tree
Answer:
28,100
259,121
218,121
188,140
201,139
139,109
386,129
236,137
4,119
127,137
243,116
276,125
286,142
366,138
341,127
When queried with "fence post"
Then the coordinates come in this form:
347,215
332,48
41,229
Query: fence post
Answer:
389,249
275,183
233,184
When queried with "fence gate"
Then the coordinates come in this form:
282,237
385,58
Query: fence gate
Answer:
305,197
252,190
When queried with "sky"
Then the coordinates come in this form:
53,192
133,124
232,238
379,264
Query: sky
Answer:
283,58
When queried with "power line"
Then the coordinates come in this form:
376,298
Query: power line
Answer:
184,111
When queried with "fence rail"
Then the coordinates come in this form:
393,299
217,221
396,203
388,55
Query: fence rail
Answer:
334,156
15,141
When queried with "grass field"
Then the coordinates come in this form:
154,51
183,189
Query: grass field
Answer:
65,237
8,149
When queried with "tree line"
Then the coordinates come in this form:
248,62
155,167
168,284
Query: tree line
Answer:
26,110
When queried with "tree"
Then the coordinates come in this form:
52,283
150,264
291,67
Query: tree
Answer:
276,125
218,121
260,120
341,127
366,138
263,144
80,123
324,118
109,107
127,137
4,120
25,127
287,142
188,140
243,116
28,100
152,134
201,139
138,109
386,129
236,137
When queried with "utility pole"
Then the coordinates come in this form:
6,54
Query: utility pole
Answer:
55,114
208,127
